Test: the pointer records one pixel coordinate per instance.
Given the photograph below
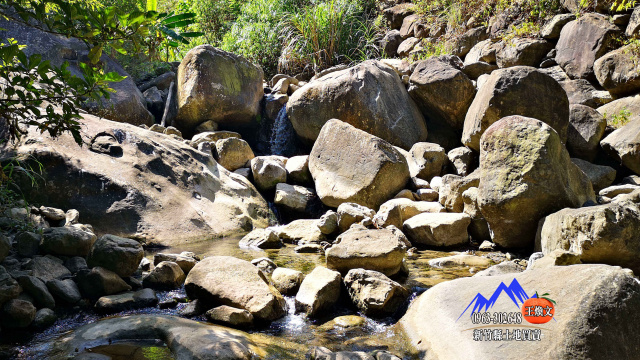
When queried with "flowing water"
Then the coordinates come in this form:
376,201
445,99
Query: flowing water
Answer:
350,333
282,140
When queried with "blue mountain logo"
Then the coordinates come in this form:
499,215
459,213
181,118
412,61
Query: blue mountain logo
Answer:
514,291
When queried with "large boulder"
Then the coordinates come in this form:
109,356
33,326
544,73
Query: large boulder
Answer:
441,91
624,145
319,290
117,254
125,105
618,71
582,42
526,174
64,291
380,250
219,86
364,169
99,282
155,189
369,96
586,128
593,307
522,52
233,153
439,229
67,241
225,280
517,90
592,234
373,293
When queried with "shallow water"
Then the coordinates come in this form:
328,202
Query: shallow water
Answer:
372,334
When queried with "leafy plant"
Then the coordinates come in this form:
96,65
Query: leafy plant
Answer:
169,31
619,119
623,5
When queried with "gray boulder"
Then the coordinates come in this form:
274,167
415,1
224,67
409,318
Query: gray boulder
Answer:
319,291
287,281
262,239
117,254
127,301
624,145
440,229
64,291
601,176
67,241
166,275
373,293
586,128
618,71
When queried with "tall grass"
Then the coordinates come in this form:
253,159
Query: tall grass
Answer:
327,33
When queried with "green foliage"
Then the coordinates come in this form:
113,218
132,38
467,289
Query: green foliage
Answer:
12,169
429,49
215,17
619,119
623,5
327,33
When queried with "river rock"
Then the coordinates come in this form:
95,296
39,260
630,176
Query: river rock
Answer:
319,291
342,174
17,314
265,264
442,229
160,190
212,136
127,301
601,176
117,254
598,296
233,153
596,36
369,96
427,160
287,281
64,291
586,128
526,174
522,52
261,239
38,290
295,198
303,231
48,268
462,161
298,170
618,71
214,85
460,260
5,246
517,90
624,145
230,316
186,263
396,211
268,171
328,222
381,250
225,280
27,244
373,293
442,92
76,264
67,241
557,257
505,267
44,318
165,275
590,233
9,288
613,191
99,282
351,213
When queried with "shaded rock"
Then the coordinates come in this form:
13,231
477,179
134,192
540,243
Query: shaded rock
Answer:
441,91
261,239
64,291
586,128
225,280
17,314
38,290
309,249
580,91
600,176
373,293
319,291
381,107
117,254
618,71
27,244
48,268
522,52
624,145
390,43
165,275
44,318
596,37
598,295
340,173
526,174
461,45
5,246
452,187
427,195
462,160
551,30
287,281
427,160
477,69
396,211
443,229
67,241
9,288
99,282
218,86
76,264
233,153
160,190
395,15
295,198
230,316
268,171
479,228
127,301
298,170
265,264
381,250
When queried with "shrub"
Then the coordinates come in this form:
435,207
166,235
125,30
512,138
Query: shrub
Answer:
619,119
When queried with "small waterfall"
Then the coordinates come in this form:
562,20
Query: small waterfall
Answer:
283,136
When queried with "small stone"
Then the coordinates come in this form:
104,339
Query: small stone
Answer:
230,316
287,281
44,318
265,264
166,275
328,223
487,246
